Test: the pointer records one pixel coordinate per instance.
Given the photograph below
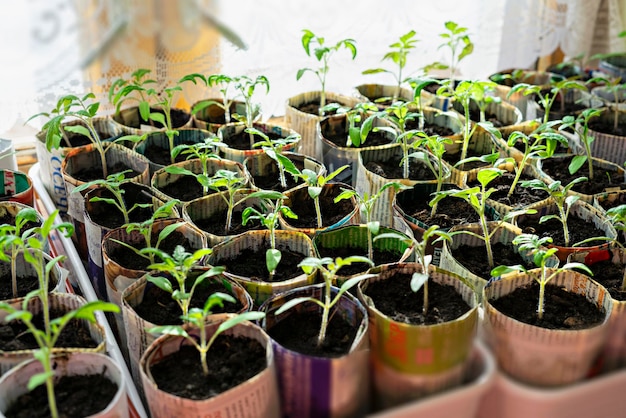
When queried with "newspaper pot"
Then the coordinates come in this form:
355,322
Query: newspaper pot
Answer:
608,145
581,210
50,160
540,356
614,352
61,302
258,240
85,158
308,384
411,361
371,182
574,98
199,212
376,92
264,175
306,123
15,383
257,396
118,277
211,118
135,327
337,155
299,200
616,172
130,122
169,186
353,239
156,145
229,130
95,230
16,186
24,269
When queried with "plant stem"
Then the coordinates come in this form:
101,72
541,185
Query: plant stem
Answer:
229,212
425,307
203,352
47,368
405,163
13,272
467,131
99,147
318,211
542,291
322,335
563,218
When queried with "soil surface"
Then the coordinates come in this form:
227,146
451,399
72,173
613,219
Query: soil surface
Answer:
95,173
179,119
185,189
271,181
251,264
313,107
159,308
394,298
109,216
231,361
475,258
562,309
162,156
521,196
14,335
609,275
302,205
25,284
557,112
241,140
430,128
607,127
489,117
579,230
380,257
76,396
392,169
215,224
452,159
299,331
373,139
557,169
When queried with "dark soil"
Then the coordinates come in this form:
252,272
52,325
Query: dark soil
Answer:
271,180
489,117
562,309
556,168
78,140
162,156
522,196
302,205
392,169
607,127
380,257
251,264
557,112
475,258
231,361
451,211
179,119
185,189
14,335
25,284
579,230
76,397
313,107
394,298
108,216
95,173
241,140
430,128
8,219
452,159
215,114
373,139
128,259
215,224
159,308
609,275
298,332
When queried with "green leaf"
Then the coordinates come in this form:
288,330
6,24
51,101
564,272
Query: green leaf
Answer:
577,162
314,192
294,302
161,282
175,330
418,280
242,317
272,259
39,379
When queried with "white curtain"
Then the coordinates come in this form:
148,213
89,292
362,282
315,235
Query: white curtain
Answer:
55,47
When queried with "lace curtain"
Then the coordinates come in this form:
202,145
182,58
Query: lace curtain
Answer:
56,47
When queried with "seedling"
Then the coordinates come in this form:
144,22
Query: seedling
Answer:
617,217
328,268
315,184
269,219
418,84
323,52
204,152
274,149
366,204
354,116
458,41
477,198
538,248
580,125
198,318
419,280
179,266
113,183
562,199
437,146
224,82
616,88
398,54
246,87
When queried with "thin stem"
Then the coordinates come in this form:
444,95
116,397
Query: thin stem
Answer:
203,352
425,287
563,217
47,368
318,211
467,131
322,335
405,163
14,272
542,291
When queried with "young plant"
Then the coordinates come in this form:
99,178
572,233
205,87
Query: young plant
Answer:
458,41
315,184
366,204
224,82
323,52
436,145
179,265
113,183
274,149
562,199
328,268
204,152
541,256
199,318
615,87
246,87
269,219
354,116
547,98
477,197
418,247
580,125
398,54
